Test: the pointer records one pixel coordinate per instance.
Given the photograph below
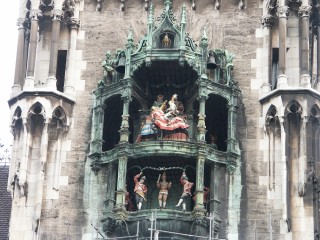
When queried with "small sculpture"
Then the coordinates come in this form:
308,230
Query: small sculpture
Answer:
159,102
107,64
172,110
186,191
163,186
140,189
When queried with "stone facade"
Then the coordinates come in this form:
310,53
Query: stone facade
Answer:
64,186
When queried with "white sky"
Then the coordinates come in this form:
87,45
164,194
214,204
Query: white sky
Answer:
8,44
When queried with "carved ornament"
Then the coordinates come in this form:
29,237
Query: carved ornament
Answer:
35,14
305,11
267,20
74,23
283,12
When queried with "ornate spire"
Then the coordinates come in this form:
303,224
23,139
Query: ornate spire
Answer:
130,36
204,37
183,14
168,4
151,14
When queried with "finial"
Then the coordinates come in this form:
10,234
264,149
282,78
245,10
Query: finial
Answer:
193,6
204,36
151,13
183,14
130,35
168,5
146,5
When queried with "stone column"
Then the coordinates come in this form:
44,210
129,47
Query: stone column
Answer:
18,78
283,12
267,22
214,190
200,179
41,173
25,50
73,24
302,155
232,125
56,22
97,124
284,180
25,157
201,121
304,12
29,81
121,183
124,130
318,54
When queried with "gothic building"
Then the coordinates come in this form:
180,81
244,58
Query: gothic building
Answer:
166,119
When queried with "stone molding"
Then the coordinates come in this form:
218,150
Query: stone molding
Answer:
267,20
305,11
283,12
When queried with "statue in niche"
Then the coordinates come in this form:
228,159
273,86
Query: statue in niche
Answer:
174,126
140,190
159,103
108,64
164,186
186,191
229,66
213,141
169,120
172,111
148,130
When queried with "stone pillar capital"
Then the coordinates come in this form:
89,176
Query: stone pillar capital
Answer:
283,12
74,23
20,22
305,11
267,20
35,14
57,14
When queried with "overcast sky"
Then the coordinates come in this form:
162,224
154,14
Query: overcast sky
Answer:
8,43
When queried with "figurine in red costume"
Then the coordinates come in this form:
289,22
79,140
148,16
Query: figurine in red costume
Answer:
186,191
140,189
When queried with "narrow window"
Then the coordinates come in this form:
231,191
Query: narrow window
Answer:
275,65
61,69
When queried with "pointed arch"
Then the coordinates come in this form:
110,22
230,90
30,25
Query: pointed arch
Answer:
272,113
16,122
293,107
36,109
315,111
59,118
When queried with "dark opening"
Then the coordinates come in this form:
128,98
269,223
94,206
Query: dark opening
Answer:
61,69
217,122
275,66
112,122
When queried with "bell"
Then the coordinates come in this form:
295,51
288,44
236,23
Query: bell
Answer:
211,64
120,68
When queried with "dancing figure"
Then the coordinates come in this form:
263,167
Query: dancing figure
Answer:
186,191
140,189
163,186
